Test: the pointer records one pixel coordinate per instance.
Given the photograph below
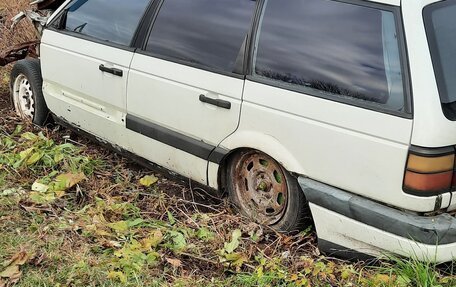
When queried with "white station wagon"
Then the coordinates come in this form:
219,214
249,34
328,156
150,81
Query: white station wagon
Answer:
342,110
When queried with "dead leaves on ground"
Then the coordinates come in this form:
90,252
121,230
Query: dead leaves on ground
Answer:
11,273
134,232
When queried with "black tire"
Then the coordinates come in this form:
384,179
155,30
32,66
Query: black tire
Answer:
31,69
296,214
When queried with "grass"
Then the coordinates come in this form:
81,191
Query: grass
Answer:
87,217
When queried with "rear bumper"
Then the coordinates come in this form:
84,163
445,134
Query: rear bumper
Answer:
346,222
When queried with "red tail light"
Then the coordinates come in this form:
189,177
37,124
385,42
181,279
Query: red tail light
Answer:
430,171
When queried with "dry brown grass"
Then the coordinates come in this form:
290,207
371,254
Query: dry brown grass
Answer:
23,32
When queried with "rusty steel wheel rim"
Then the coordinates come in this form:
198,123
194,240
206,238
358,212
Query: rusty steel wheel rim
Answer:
261,187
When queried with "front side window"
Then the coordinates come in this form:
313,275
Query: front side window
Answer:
440,23
333,49
206,33
112,21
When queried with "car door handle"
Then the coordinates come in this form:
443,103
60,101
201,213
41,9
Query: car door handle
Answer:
114,71
219,103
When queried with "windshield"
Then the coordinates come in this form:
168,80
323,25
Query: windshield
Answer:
440,22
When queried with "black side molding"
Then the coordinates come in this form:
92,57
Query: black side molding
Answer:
177,140
432,230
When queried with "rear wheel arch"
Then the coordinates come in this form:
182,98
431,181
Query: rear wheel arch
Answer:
297,214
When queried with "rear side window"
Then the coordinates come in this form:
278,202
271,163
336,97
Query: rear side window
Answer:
332,49
113,21
440,23
207,33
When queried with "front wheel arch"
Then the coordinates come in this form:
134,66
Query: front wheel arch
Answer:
30,70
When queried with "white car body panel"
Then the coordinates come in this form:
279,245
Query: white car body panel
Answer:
159,88
71,69
430,126
359,151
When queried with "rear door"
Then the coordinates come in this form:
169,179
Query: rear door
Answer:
186,84
85,57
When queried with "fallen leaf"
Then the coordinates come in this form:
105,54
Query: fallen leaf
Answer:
229,247
236,259
178,240
133,223
171,219
19,258
34,158
11,272
119,226
382,279
29,136
41,198
117,275
205,234
152,241
176,263
148,180
26,153
37,186
67,181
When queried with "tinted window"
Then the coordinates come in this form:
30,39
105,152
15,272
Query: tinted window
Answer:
347,51
108,20
441,30
208,33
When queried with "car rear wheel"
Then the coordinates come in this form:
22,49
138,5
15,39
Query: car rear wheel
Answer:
26,91
264,191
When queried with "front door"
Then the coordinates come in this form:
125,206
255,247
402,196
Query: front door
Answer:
85,57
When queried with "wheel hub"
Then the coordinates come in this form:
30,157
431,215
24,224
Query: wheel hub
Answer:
261,187
23,97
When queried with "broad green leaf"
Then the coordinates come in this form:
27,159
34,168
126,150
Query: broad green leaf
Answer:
148,180
204,234
41,198
236,259
171,219
152,241
119,226
229,247
37,186
29,136
58,157
26,153
8,191
34,158
17,130
135,222
178,240
152,258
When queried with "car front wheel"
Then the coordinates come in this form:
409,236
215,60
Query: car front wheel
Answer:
26,91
